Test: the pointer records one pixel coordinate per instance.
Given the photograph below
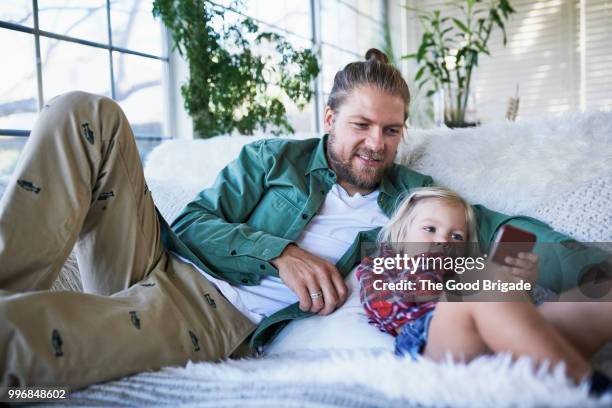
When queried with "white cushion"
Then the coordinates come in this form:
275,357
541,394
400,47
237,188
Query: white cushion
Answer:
515,167
171,199
585,213
195,164
346,328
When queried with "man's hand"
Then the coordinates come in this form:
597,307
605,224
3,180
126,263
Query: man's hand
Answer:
306,274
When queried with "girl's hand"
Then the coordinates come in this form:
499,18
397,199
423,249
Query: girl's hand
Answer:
524,267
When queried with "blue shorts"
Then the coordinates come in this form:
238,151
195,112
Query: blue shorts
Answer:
413,336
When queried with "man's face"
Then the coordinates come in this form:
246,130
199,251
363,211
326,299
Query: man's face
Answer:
363,137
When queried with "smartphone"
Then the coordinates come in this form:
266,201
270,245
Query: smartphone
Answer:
509,241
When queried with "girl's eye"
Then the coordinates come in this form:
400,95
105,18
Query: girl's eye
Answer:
429,229
457,237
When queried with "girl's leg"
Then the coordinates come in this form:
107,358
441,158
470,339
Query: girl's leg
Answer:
586,325
469,329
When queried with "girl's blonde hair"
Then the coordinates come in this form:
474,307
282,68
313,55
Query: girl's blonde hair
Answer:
394,230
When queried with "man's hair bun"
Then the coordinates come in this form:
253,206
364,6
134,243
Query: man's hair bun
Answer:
374,54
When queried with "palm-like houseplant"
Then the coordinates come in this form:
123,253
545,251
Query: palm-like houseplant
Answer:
450,48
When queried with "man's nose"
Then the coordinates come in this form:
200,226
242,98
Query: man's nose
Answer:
375,141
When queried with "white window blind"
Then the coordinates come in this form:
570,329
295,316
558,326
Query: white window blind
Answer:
597,60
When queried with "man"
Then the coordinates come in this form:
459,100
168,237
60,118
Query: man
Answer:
281,222
275,236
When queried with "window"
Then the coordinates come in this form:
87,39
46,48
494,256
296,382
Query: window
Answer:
348,29
116,48
110,47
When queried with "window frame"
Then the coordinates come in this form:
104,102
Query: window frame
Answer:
109,47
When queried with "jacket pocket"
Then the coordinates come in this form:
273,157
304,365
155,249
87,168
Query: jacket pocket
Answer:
274,214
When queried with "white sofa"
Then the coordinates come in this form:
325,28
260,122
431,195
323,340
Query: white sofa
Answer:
557,169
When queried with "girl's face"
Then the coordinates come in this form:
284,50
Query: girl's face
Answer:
435,220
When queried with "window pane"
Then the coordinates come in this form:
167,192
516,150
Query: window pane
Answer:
18,99
85,19
371,35
333,60
139,91
330,16
134,27
68,67
302,121
146,146
290,15
347,27
10,149
17,11
372,9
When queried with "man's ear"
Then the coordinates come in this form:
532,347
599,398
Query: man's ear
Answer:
328,119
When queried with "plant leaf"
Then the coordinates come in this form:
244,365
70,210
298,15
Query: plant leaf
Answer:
419,73
461,25
423,82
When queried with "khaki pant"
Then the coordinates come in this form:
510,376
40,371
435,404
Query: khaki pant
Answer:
80,181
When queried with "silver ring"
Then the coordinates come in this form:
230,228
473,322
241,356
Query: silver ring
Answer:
316,295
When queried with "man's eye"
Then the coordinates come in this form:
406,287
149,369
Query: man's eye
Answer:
393,131
429,229
360,125
457,237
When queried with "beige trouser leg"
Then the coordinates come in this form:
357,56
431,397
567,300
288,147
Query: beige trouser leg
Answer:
80,180
79,171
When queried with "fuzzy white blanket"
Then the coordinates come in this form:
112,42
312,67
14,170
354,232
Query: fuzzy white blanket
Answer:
346,379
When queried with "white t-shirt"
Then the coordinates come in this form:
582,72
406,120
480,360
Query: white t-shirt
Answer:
329,234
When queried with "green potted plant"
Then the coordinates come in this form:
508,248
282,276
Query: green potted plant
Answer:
234,67
449,51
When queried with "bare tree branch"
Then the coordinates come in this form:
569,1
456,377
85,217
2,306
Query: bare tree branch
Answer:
124,40
53,44
122,95
30,104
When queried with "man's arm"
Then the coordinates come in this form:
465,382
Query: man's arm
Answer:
213,228
213,225
563,261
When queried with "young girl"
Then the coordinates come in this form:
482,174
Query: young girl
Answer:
436,219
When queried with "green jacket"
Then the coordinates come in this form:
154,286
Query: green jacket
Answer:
261,202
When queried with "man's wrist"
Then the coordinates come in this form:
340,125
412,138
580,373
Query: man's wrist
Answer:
288,248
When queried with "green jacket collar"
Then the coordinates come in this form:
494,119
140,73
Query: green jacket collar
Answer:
319,158
319,161
387,187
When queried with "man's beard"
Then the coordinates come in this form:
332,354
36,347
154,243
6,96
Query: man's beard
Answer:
367,179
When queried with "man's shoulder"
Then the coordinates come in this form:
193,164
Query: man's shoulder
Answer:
284,153
288,145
